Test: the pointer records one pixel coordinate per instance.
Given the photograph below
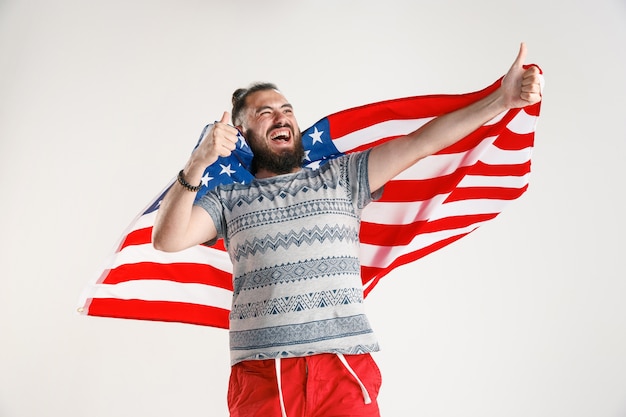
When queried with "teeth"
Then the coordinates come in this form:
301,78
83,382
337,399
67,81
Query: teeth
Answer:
281,134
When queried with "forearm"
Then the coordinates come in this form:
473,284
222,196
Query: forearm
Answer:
519,88
447,129
180,225
437,134
172,229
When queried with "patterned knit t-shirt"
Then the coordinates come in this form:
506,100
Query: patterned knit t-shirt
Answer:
294,243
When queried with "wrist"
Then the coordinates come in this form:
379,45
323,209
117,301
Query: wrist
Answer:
498,102
194,169
183,180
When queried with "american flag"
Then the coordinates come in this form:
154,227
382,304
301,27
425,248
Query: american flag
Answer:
432,204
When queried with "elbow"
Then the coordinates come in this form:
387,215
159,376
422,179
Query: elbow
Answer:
159,242
158,245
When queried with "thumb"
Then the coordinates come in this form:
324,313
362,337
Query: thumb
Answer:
521,57
225,118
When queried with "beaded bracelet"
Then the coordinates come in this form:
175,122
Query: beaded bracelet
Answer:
184,183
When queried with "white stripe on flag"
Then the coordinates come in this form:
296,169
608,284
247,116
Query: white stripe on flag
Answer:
496,156
198,254
409,212
443,164
523,123
489,181
378,131
161,290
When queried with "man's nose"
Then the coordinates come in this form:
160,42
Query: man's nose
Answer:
280,118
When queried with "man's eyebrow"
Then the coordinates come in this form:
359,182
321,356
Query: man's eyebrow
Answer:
284,106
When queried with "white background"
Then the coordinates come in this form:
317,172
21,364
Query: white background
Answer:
102,101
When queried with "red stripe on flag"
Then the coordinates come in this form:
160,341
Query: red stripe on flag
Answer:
137,237
487,193
401,191
187,273
347,121
510,141
160,311
403,234
515,170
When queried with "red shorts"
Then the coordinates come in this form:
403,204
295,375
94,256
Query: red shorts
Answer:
311,386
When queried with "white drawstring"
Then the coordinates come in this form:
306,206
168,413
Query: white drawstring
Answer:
366,395
280,387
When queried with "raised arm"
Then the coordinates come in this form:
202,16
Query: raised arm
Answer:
179,224
520,88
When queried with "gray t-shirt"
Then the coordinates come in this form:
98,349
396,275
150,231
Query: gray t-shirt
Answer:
294,243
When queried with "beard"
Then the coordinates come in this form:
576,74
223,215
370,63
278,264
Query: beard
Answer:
283,162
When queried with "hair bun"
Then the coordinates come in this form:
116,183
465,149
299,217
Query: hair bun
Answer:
240,92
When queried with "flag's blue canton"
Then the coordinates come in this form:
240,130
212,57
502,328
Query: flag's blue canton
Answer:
318,145
233,168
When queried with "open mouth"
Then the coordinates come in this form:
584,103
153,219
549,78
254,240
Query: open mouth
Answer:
281,135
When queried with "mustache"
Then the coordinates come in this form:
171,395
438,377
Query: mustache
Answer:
280,126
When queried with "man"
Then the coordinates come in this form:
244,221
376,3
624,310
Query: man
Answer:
299,338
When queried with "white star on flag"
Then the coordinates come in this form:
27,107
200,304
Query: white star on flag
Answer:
314,165
242,141
205,179
316,135
226,169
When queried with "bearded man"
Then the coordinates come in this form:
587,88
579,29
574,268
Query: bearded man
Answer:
300,340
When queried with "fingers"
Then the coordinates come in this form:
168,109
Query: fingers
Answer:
531,85
531,76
